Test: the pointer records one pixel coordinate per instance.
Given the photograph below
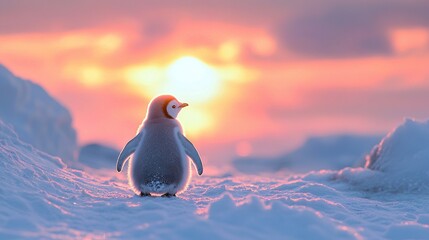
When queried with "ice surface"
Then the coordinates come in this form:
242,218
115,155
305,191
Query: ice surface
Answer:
42,198
36,117
326,152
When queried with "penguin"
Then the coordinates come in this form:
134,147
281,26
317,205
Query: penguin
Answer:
159,164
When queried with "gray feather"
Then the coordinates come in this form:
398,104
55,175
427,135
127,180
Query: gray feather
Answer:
192,152
129,149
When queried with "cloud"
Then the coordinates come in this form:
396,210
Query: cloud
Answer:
350,29
45,16
157,29
52,16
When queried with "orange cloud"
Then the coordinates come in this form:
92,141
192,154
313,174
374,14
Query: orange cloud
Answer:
410,40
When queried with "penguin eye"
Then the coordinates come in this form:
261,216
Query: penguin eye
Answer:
174,106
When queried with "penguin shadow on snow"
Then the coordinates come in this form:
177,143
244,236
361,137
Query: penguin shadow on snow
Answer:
159,165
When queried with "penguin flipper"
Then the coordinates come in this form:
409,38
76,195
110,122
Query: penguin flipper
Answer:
192,152
129,149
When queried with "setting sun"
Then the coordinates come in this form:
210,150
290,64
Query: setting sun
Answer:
187,78
191,79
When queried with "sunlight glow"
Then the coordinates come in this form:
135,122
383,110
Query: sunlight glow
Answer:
406,40
109,43
145,77
101,43
195,121
229,51
236,73
191,79
89,76
187,78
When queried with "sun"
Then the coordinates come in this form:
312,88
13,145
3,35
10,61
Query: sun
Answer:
187,78
191,79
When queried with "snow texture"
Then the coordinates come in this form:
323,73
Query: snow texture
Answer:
36,117
42,198
317,153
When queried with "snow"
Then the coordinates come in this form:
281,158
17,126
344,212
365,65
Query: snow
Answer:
323,152
43,198
403,156
35,116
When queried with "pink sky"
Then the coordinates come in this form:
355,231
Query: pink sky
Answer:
276,71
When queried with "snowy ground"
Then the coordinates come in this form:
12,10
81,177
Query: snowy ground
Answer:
42,198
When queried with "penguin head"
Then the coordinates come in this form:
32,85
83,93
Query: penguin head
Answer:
165,106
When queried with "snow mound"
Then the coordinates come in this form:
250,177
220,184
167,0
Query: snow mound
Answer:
403,156
328,152
98,156
36,117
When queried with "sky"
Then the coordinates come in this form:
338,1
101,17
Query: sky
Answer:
259,76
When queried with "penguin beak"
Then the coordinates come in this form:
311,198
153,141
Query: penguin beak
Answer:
183,105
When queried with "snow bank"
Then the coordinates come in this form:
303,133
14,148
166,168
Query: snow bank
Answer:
400,162
328,152
405,151
36,117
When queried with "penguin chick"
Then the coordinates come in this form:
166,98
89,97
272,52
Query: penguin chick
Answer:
159,164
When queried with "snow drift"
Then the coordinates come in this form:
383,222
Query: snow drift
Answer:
399,163
405,151
36,117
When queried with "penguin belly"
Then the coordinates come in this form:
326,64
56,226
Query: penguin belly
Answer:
159,165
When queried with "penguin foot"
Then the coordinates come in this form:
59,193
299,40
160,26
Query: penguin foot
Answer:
142,194
168,195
